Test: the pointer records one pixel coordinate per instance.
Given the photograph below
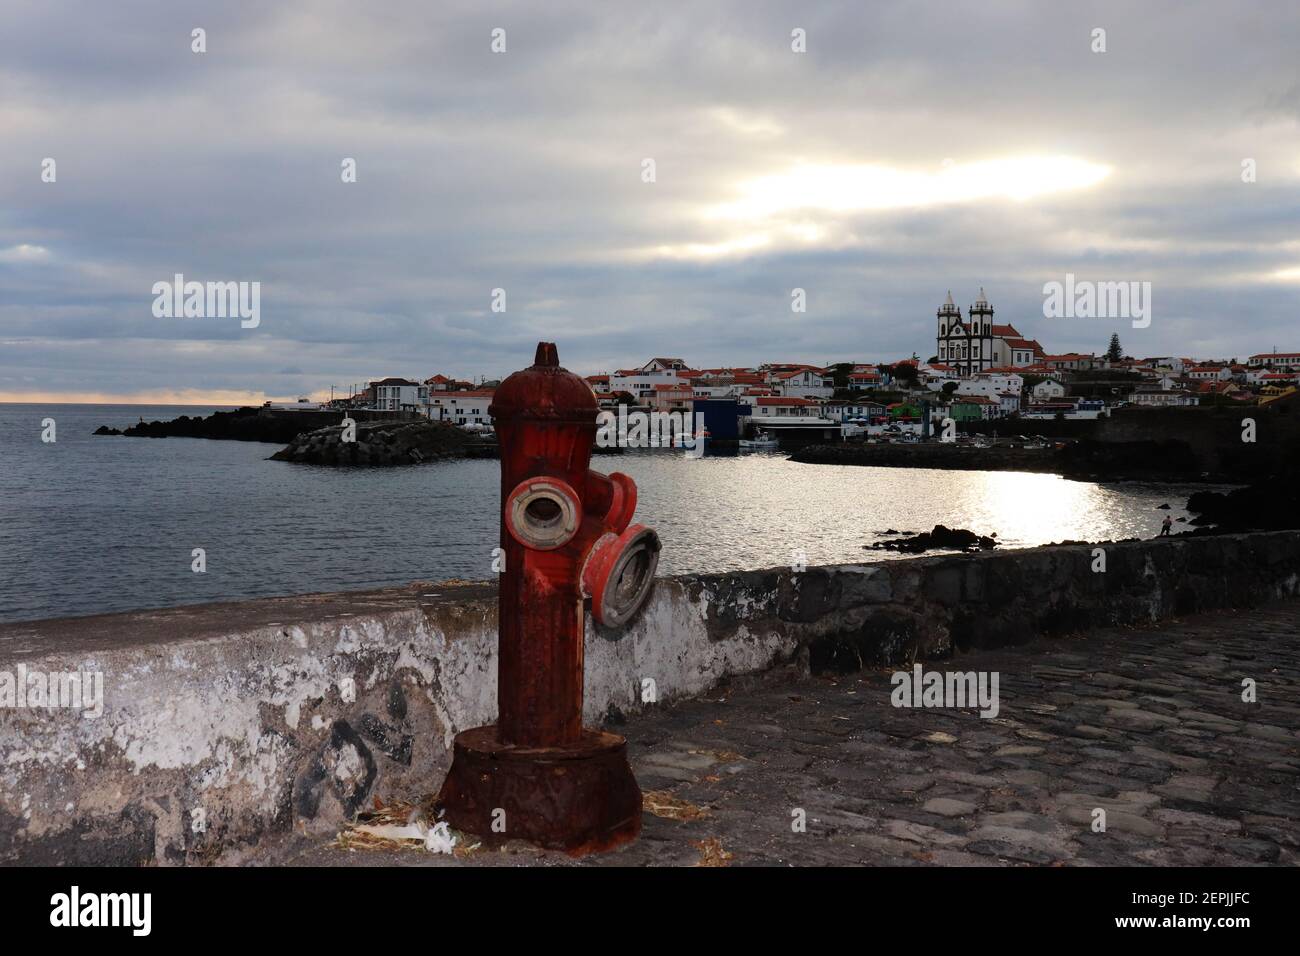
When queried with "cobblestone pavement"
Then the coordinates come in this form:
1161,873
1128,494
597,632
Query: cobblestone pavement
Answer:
1148,725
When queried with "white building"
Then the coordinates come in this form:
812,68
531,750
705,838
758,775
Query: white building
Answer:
966,346
991,384
844,409
395,394
1003,379
804,383
976,345
640,383
935,377
460,408
1278,361
784,408
864,377
664,365
1071,362
1048,390
1160,398
1167,363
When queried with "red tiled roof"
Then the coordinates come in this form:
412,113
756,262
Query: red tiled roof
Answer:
785,400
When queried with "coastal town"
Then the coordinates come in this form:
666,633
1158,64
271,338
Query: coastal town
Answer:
978,370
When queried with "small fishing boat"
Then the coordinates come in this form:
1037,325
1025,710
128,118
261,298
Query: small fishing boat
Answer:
762,441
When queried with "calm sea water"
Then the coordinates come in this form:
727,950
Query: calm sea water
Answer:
92,524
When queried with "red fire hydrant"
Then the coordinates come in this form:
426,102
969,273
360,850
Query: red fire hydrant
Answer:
538,775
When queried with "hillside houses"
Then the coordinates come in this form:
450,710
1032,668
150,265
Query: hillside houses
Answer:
982,370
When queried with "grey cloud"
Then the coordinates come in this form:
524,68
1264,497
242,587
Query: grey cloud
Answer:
522,171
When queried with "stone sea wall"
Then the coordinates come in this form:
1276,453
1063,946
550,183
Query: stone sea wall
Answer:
221,723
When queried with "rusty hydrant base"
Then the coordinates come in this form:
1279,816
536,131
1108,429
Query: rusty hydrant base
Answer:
581,798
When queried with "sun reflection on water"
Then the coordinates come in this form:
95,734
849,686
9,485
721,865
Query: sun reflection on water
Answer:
749,512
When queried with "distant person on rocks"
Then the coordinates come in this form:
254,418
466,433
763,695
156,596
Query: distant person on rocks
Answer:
1165,526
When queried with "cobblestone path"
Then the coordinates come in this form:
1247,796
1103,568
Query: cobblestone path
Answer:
1148,725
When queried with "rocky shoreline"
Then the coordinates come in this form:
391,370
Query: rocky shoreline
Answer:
240,424
1086,460
1268,505
381,443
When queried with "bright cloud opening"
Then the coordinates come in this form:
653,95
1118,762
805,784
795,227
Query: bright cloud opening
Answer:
841,189
24,253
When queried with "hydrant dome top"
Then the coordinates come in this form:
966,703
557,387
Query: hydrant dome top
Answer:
544,390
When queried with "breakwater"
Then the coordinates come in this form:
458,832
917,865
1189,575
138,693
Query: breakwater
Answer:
378,443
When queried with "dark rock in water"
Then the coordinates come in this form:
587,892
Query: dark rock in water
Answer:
381,443
1163,507
105,430
941,538
1071,542
1272,504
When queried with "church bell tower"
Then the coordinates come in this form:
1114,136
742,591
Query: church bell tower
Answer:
981,334
951,336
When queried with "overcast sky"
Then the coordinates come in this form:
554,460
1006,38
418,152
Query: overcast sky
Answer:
912,149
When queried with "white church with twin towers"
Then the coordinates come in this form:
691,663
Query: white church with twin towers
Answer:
976,344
